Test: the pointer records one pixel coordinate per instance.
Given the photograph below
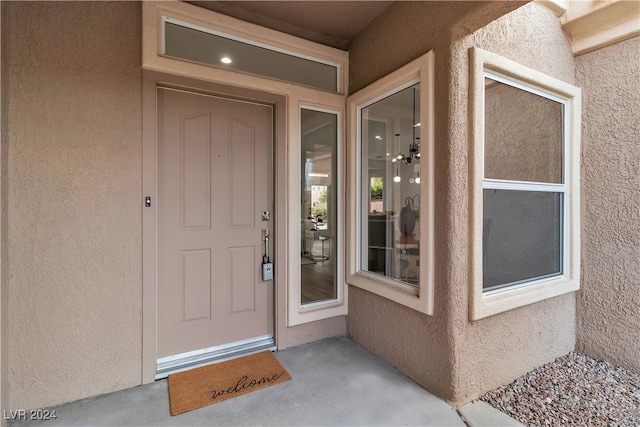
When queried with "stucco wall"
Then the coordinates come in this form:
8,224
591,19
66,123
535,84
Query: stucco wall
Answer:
498,349
4,259
419,346
73,83
609,301
447,354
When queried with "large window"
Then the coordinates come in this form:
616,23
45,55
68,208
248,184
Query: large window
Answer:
524,189
390,178
525,186
392,188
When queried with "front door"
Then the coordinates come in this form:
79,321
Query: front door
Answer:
214,181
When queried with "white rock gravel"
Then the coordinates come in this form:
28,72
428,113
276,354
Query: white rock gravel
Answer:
574,390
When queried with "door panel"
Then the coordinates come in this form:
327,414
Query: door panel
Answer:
214,180
195,172
196,281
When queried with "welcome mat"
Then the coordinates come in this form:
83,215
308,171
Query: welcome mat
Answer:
204,386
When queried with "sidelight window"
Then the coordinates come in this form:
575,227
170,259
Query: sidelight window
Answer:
319,226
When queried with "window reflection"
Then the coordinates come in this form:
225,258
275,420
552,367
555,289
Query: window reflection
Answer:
523,204
523,135
319,133
217,50
390,205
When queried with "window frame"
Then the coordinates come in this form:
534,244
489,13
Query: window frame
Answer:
299,313
268,44
487,303
420,298
154,14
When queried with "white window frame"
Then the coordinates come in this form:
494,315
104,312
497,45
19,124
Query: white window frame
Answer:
487,303
155,14
299,313
270,44
420,298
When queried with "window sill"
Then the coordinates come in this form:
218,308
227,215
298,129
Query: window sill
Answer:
485,304
394,290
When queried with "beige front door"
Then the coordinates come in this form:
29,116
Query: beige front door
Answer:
214,180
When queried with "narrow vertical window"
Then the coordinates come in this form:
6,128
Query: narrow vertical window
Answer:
319,212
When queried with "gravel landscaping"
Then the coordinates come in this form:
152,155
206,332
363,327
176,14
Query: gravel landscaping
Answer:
573,390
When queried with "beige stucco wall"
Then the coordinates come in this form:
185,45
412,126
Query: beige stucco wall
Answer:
72,298
71,288
73,311
609,301
4,259
446,353
418,345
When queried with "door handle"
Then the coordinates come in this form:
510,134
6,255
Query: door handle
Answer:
267,265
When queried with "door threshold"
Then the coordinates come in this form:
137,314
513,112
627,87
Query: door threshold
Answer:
206,356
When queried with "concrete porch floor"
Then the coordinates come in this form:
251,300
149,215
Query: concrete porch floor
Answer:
334,382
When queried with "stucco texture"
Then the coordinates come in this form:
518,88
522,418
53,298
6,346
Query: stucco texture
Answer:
498,349
609,299
72,316
447,354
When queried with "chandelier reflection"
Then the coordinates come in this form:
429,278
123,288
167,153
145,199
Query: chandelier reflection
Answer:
414,152
414,146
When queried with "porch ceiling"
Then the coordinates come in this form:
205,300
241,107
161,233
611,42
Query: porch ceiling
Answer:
332,23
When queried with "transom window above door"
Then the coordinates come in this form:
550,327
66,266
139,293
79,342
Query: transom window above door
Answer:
180,37
203,45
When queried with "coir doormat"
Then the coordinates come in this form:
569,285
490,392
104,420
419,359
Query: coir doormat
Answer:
204,386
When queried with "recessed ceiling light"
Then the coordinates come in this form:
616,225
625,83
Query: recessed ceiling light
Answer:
378,137
225,60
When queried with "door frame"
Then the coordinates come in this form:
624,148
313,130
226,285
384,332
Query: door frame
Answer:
151,80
